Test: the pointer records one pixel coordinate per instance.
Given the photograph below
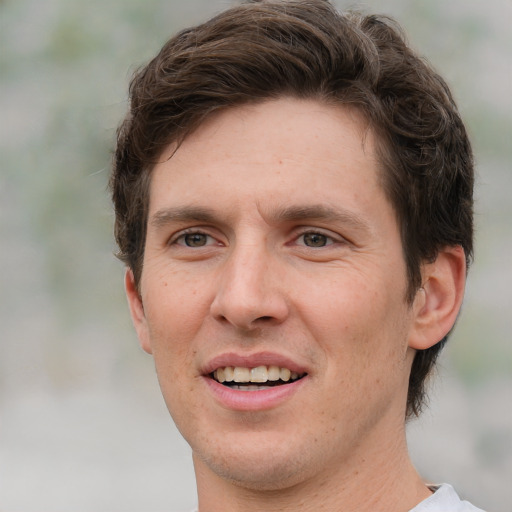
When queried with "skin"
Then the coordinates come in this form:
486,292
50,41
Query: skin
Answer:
299,256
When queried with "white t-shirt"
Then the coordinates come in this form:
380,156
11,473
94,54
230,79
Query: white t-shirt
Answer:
444,499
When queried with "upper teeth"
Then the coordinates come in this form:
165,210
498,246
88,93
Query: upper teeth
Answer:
258,374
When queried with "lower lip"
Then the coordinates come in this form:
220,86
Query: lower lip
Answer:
253,400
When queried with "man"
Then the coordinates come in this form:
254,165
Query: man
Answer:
293,195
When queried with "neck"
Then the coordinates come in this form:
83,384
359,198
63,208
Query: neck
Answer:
383,479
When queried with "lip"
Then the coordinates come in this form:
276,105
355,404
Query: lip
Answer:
260,400
252,361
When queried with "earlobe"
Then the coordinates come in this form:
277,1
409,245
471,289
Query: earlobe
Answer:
438,301
137,311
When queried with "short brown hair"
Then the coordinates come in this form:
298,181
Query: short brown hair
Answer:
306,49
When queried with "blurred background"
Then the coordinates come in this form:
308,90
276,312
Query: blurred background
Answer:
83,427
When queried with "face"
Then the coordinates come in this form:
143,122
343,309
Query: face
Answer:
273,262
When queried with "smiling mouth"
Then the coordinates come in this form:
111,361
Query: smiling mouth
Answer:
254,379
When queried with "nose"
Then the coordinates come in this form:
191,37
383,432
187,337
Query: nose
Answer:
250,292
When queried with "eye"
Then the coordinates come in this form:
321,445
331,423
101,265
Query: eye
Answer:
314,239
195,239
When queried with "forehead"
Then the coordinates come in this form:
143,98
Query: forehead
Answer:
294,118
277,156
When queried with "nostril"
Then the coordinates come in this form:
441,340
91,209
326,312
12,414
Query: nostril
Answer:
248,310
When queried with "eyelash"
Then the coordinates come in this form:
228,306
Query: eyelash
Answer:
329,239
188,232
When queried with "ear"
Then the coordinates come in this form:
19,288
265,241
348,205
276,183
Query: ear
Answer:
137,311
438,301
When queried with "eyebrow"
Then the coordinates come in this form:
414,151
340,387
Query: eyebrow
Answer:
320,212
182,214
315,212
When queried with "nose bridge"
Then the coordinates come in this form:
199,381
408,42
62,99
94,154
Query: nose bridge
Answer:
249,291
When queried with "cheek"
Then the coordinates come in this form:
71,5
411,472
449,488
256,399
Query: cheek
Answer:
173,324
346,311
175,304
362,330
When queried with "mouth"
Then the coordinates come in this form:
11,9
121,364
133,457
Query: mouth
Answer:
255,379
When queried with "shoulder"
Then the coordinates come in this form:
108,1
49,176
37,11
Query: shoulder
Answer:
445,499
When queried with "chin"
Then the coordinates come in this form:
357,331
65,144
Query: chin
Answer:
257,466
263,476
